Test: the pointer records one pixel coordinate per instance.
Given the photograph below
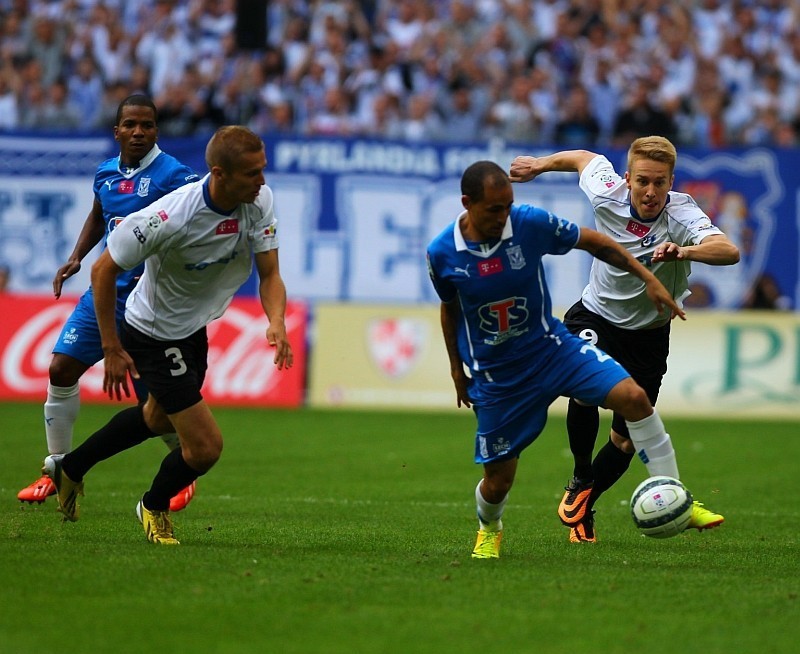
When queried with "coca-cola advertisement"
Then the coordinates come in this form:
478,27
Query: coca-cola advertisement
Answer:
240,370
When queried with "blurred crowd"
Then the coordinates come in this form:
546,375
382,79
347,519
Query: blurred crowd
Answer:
567,72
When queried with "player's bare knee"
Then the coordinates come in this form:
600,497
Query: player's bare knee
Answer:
630,401
65,371
203,453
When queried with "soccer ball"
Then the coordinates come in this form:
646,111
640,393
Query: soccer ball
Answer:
661,507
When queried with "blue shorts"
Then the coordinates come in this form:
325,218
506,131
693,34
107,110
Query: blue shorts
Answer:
80,335
511,405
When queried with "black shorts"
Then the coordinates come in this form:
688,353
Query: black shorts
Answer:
642,352
172,371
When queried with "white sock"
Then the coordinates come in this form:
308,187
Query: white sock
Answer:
653,445
171,441
489,515
60,413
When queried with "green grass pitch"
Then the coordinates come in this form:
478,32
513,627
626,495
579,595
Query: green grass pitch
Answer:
346,531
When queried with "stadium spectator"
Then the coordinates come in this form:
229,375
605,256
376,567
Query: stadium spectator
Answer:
46,44
463,112
112,49
9,109
513,116
208,21
230,211
33,115
86,90
336,117
167,53
13,44
421,122
184,105
385,120
577,125
58,110
640,117
427,45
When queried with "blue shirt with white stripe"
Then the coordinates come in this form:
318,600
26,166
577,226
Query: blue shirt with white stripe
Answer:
122,191
501,287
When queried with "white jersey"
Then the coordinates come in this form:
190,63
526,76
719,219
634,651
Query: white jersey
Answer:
614,294
196,258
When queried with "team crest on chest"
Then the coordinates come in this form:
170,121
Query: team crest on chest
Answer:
144,187
648,240
515,257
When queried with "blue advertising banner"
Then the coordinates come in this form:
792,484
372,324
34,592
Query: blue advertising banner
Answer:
356,215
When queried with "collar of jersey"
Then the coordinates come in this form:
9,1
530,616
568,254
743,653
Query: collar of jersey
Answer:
144,163
207,197
634,214
461,244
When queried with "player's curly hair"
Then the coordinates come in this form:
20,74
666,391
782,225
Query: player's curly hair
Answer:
228,144
655,148
479,173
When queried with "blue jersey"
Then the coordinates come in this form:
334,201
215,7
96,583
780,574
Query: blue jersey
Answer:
122,191
501,287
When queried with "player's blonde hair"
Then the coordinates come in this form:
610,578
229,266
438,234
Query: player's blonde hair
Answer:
655,148
228,144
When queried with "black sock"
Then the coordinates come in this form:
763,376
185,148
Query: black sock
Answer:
122,432
609,465
582,425
174,475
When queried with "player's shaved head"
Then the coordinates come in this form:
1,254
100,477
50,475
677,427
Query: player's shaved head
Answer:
481,175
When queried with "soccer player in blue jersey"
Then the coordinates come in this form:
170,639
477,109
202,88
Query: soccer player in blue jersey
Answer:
497,322
138,176
668,231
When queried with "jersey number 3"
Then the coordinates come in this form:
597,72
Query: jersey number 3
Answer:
179,365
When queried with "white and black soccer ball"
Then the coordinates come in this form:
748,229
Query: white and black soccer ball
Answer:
661,507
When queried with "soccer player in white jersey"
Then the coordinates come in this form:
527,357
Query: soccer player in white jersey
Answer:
497,321
666,231
140,174
198,245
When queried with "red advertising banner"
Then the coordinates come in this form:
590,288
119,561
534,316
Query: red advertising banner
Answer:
240,368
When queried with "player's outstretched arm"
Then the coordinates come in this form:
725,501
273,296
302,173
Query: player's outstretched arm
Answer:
526,168
714,250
